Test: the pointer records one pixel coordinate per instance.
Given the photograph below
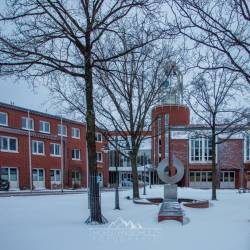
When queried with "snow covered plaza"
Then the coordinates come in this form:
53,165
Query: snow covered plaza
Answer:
124,125
57,222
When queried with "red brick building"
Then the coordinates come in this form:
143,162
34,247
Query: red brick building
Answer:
173,134
45,147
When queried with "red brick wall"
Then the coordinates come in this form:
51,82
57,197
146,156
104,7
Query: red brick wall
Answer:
47,162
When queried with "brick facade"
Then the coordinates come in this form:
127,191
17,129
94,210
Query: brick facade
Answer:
230,154
20,159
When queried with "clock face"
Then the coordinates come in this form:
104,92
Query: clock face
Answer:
166,83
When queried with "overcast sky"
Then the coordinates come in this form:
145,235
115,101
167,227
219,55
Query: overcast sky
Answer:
24,95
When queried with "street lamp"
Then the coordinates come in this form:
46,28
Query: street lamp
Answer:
106,150
144,176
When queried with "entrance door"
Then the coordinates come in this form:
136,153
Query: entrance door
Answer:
55,178
126,179
227,179
38,178
76,179
10,175
248,179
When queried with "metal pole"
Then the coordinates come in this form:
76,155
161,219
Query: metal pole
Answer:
150,177
242,169
144,185
144,176
30,160
117,206
62,151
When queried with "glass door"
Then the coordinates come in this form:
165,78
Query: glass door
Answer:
10,175
38,178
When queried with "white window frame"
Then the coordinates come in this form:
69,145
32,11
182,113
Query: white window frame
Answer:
74,158
54,170
5,124
9,175
8,143
26,122
96,137
54,145
43,126
37,142
73,133
59,133
202,147
97,160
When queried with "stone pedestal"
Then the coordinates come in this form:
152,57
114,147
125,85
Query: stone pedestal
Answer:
170,208
170,192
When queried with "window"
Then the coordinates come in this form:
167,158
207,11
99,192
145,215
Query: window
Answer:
55,149
37,174
62,130
27,123
3,119
44,127
38,147
200,149
75,133
98,137
76,178
55,175
227,176
76,154
200,176
9,174
98,156
8,144
247,148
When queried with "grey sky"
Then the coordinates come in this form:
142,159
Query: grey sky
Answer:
24,95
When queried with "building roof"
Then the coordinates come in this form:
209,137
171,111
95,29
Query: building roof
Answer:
18,108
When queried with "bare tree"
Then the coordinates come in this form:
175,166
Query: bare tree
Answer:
131,89
213,98
51,38
222,26
130,86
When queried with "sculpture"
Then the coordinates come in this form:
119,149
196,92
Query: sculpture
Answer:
170,208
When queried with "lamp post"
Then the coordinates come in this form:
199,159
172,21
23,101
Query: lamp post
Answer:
127,150
117,205
150,177
144,176
106,150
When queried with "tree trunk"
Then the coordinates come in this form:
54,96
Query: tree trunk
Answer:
117,204
95,207
214,169
136,194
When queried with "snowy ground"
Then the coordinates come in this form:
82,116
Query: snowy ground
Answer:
57,222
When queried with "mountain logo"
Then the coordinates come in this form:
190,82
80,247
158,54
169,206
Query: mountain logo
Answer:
120,223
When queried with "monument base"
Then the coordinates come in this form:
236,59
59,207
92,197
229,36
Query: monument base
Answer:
170,208
170,192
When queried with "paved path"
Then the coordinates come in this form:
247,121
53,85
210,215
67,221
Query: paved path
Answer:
51,192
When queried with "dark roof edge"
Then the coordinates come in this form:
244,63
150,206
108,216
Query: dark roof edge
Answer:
10,106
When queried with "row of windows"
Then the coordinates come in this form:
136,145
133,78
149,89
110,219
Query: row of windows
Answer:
206,176
55,150
10,144
44,127
143,158
200,149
